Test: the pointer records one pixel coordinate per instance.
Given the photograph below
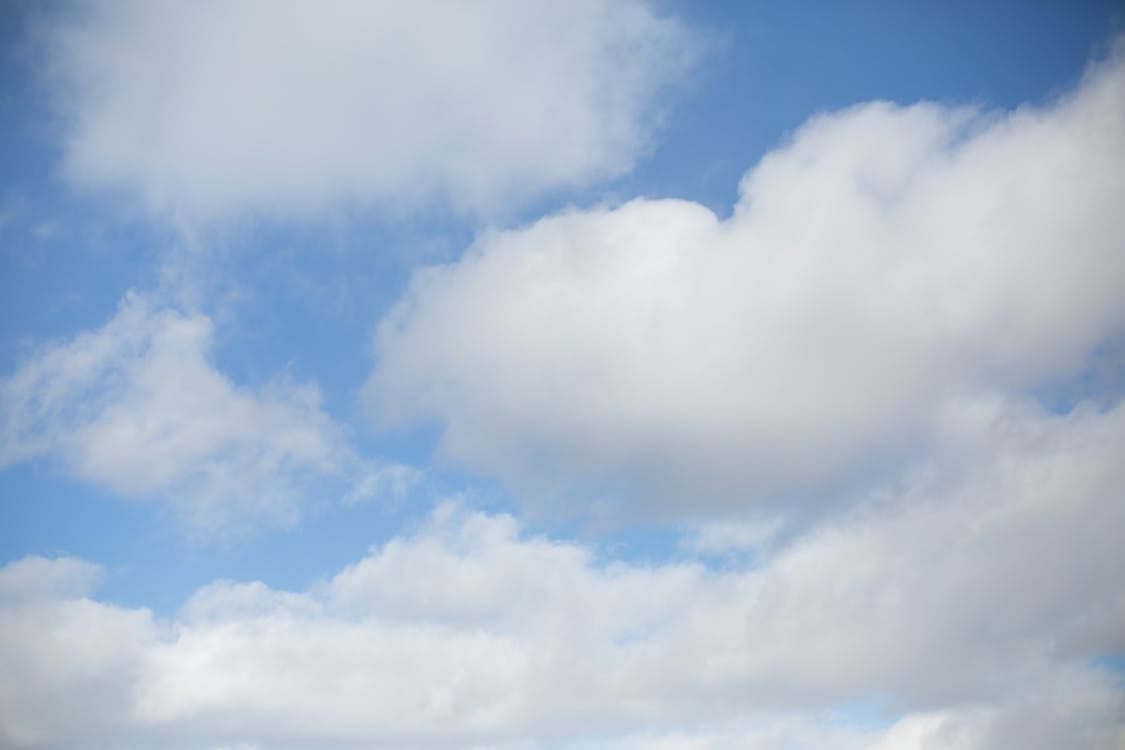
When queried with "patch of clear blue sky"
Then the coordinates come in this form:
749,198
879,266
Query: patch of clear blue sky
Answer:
305,299
776,63
1115,664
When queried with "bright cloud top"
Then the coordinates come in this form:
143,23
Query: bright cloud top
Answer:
288,108
885,272
137,406
469,632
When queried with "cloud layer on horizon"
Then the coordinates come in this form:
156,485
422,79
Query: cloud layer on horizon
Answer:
956,605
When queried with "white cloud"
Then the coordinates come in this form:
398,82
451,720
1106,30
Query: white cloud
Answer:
40,577
883,272
390,481
209,109
732,536
137,406
1071,714
969,602
68,663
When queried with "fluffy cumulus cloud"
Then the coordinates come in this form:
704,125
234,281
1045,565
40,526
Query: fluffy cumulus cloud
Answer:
75,658
955,606
138,407
209,109
886,273
901,519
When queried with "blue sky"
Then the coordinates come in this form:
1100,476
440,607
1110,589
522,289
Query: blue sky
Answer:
645,375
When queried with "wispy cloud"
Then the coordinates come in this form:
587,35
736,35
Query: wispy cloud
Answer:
137,406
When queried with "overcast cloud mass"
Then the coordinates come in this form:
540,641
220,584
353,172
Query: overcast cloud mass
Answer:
837,467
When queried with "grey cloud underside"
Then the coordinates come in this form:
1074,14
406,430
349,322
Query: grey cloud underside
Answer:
962,603
884,273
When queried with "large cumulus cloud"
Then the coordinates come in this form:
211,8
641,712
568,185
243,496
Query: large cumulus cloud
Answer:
885,272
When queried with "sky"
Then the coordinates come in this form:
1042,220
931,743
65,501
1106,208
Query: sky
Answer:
607,375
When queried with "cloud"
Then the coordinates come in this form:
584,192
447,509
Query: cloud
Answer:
1073,714
966,606
884,270
731,536
206,110
32,577
388,481
69,663
137,406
